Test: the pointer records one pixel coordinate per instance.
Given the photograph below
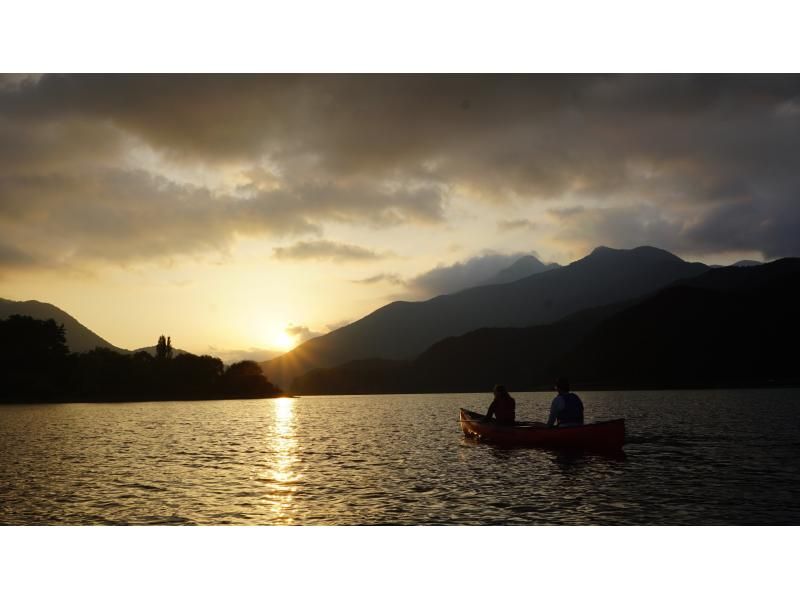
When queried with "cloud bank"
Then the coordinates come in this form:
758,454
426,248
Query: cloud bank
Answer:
460,275
325,250
134,167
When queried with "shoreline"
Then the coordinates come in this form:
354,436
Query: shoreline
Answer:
88,401
79,401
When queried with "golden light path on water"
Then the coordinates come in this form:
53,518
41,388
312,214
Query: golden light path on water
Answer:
280,477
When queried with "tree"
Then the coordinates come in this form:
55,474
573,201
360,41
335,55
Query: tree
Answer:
193,376
246,379
35,364
164,347
33,357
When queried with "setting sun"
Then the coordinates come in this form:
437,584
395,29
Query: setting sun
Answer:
283,340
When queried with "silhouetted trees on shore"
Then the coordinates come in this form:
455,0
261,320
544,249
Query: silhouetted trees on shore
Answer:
36,365
164,347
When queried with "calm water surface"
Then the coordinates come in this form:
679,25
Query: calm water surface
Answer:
693,457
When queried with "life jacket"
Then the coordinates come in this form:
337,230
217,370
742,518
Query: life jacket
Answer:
572,413
504,410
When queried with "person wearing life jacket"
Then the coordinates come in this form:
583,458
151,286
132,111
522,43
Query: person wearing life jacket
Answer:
567,408
503,406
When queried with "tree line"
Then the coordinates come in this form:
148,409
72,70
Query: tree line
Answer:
36,365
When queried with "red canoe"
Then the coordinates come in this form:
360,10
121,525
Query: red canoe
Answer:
606,436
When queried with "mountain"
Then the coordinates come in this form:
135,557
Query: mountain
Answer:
525,266
79,337
746,263
730,326
741,264
402,330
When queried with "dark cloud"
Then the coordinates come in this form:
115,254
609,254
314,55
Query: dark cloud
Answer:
10,82
57,146
325,250
11,257
629,226
744,226
771,226
460,275
387,150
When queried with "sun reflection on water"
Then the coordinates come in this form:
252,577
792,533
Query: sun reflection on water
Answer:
280,476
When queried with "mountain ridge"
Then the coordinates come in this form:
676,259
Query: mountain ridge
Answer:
707,330
525,266
79,337
402,330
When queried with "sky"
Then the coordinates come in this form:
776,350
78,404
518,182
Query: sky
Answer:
243,214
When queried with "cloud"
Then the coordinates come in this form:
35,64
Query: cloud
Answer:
743,226
770,226
325,250
451,278
390,150
563,213
16,81
515,225
382,277
71,145
119,215
627,226
301,333
11,257
460,275
339,324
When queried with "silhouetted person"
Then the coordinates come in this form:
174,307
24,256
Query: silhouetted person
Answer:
502,407
567,408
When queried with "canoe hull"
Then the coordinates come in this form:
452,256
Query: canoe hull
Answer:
604,436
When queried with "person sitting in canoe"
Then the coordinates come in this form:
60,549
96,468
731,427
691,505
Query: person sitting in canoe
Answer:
502,407
566,408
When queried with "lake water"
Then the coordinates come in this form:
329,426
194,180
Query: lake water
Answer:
692,457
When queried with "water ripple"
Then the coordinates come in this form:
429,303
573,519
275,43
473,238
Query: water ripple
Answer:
692,458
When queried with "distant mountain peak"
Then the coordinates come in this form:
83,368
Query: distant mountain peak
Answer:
79,337
523,267
531,259
647,251
31,303
747,263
